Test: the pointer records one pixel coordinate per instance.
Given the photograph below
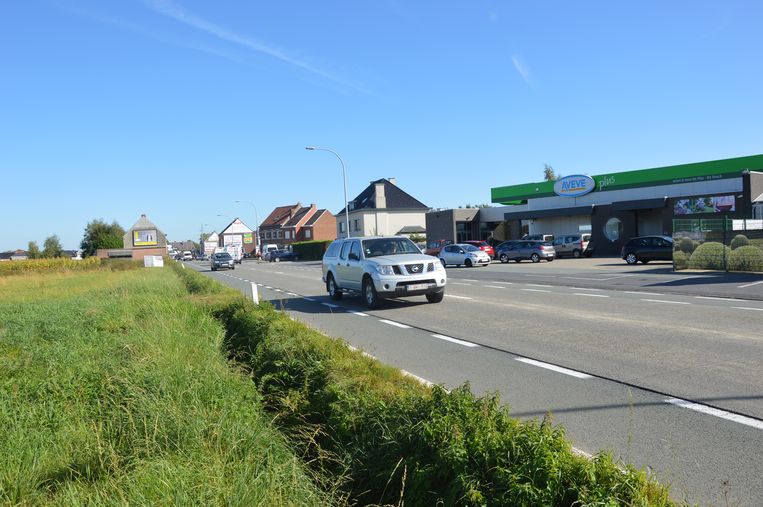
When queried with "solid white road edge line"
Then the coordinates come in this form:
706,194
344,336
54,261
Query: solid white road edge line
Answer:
417,378
393,323
558,369
455,340
667,301
747,421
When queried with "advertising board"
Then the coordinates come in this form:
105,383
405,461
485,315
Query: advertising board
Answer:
707,204
574,186
145,237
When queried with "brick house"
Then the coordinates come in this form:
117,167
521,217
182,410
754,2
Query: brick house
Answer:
142,239
293,223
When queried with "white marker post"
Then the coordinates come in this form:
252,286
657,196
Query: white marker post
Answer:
255,296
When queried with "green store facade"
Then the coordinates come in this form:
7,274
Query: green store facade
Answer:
618,206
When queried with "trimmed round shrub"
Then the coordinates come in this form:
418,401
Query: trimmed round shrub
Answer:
746,258
710,255
680,260
687,246
739,240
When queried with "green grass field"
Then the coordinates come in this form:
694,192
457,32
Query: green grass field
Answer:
114,391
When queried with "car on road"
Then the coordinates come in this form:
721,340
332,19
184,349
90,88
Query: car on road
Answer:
463,254
571,244
482,245
281,255
187,256
647,248
434,247
534,251
380,268
221,260
538,237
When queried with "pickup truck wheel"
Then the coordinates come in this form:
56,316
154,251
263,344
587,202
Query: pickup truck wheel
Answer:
369,294
335,292
436,297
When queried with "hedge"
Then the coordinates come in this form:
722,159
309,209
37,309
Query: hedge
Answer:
746,258
710,255
310,250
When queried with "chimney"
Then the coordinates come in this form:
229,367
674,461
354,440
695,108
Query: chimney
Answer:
381,198
142,215
392,180
312,205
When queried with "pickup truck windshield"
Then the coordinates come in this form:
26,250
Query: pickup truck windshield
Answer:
391,246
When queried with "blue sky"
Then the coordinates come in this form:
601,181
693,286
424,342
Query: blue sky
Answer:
177,109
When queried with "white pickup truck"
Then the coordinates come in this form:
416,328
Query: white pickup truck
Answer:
382,267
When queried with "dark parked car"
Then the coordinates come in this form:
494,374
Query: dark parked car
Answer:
281,255
521,250
648,248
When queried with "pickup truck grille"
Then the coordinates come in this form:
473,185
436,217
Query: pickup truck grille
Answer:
414,269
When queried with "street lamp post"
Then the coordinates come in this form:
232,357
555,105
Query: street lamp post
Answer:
344,178
256,226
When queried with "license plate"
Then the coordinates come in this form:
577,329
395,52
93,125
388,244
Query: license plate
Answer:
418,286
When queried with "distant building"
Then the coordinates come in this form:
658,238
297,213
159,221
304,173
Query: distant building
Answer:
237,233
14,255
142,239
382,209
292,223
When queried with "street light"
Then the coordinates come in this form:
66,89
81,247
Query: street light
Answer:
256,225
344,178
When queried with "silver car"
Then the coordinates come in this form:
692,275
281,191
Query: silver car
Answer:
534,251
463,254
221,260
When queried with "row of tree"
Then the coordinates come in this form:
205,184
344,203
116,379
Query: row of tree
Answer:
98,234
50,248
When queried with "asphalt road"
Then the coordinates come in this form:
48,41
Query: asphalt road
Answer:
664,373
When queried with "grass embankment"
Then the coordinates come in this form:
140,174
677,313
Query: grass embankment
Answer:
114,391
388,440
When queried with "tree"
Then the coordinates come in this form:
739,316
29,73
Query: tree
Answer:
99,234
548,173
52,247
33,251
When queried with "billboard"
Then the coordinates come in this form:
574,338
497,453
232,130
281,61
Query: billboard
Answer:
146,237
709,204
232,239
248,238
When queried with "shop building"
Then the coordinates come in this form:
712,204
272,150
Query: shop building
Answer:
141,240
615,207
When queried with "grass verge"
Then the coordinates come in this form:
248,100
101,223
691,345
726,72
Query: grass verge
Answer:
389,440
114,391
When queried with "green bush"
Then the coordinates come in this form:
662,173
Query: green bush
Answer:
390,440
739,240
746,258
310,250
680,260
710,255
687,245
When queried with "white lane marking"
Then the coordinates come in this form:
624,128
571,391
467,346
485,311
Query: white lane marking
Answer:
589,295
469,280
717,299
749,285
747,308
494,287
355,349
558,369
507,283
330,305
291,294
245,280
536,290
278,290
279,273
643,293
747,421
361,314
457,297
268,287
583,288
459,283
396,324
538,285
582,453
308,299
455,340
667,301
417,378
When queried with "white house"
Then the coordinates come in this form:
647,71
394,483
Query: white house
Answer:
382,209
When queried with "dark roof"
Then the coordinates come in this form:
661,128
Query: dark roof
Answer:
411,229
315,217
299,215
279,215
396,198
6,255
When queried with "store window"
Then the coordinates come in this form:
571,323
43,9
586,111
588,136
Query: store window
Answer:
613,229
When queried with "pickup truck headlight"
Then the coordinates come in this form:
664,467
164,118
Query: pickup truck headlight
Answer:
385,270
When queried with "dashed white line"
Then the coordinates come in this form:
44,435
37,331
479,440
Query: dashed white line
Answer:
360,314
469,280
291,294
494,287
507,283
667,301
717,299
552,367
747,421
590,295
583,288
536,290
749,285
396,324
538,285
459,283
308,299
330,305
455,340
643,293
457,297
747,308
